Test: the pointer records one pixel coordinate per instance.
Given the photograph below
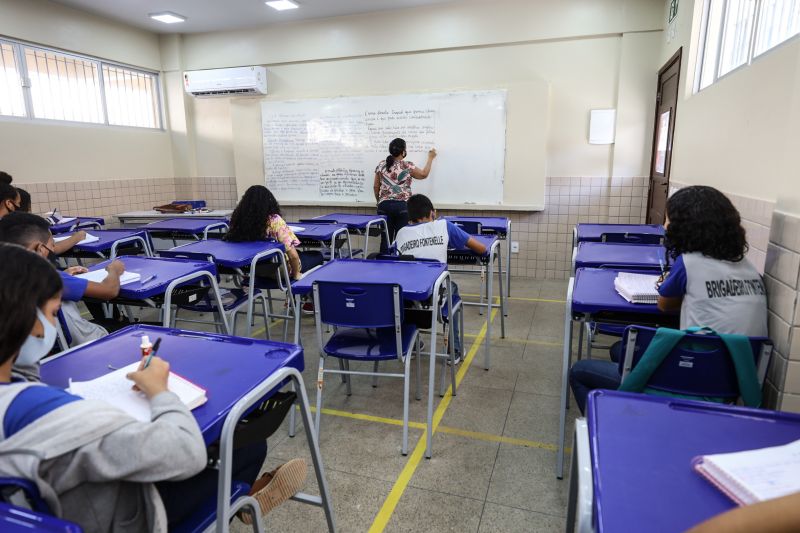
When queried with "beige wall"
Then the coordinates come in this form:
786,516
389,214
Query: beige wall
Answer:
739,134
586,55
46,151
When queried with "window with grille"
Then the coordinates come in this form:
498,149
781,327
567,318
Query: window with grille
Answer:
41,83
736,31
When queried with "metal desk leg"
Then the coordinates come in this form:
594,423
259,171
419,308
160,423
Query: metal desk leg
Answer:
503,309
565,380
581,493
508,260
432,366
166,307
489,300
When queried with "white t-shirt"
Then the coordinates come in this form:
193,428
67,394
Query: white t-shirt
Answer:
430,240
725,296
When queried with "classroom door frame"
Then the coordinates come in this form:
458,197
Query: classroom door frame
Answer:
661,153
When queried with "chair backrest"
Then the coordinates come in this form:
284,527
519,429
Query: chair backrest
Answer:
699,365
358,305
470,226
22,493
632,238
64,335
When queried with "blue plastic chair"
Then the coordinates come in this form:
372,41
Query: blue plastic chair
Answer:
469,226
368,326
64,336
22,509
699,365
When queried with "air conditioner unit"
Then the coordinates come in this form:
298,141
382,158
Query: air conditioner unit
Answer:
238,81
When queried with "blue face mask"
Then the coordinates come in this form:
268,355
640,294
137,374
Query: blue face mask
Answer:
35,348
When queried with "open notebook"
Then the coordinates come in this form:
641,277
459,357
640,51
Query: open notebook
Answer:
753,475
87,240
115,389
99,275
637,288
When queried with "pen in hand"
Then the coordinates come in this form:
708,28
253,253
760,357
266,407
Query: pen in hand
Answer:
152,353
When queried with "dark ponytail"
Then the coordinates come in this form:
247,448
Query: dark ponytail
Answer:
396,148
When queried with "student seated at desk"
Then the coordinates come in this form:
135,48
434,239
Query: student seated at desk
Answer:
706,240
33,232
24,200
427,237
92,463
9,199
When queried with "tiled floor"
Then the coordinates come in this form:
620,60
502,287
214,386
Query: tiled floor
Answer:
494,453
493,464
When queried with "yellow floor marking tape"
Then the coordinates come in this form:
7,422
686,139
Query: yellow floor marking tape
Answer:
389,505
518,341
519,298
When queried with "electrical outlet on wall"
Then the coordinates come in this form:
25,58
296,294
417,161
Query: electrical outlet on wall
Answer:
514,247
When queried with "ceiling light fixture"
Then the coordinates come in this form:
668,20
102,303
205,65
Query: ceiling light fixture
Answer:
167,17
282,5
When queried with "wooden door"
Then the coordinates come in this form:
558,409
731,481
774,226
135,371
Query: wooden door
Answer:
663,131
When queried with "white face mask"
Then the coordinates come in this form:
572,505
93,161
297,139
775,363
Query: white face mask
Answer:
37,347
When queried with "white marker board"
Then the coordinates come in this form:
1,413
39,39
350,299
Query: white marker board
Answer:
324,151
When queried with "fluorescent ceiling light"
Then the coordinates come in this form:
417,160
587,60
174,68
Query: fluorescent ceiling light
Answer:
282,5
167,17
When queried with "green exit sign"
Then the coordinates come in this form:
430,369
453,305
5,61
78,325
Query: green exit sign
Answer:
673,10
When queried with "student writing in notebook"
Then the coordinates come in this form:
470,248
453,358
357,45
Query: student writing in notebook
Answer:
427,237
92,463
711,282
33,232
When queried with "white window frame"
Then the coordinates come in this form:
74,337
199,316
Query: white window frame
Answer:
751,47
22,68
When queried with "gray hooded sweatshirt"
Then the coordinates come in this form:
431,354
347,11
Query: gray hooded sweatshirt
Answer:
95,465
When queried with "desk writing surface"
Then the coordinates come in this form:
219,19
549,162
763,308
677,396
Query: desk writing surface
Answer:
227,367
642,447
416,279
350,220
496,224
316,232
61,227
166,270
194,226
153,214
597,254
225,253
107,238
594,292
595,232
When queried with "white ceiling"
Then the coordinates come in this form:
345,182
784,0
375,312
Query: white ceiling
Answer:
217,15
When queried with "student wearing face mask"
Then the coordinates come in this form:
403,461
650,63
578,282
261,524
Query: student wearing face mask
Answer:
33,232
85,456
9,199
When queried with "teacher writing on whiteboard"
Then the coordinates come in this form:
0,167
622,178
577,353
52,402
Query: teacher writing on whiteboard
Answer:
393,186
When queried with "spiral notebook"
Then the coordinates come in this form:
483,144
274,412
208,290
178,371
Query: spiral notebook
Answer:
754,475
637,288
115,389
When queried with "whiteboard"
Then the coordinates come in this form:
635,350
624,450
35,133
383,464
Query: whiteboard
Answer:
326,150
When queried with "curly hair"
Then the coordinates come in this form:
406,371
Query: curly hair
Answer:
702,219
249,219
27,281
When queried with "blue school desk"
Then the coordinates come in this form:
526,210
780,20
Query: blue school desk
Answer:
19,520
110,240
236,372
591,296
486,261
324,236
625,233
236,256
77,223
419,281
606,254
500,226
357,224
186,228
169,274
140,217
632,459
